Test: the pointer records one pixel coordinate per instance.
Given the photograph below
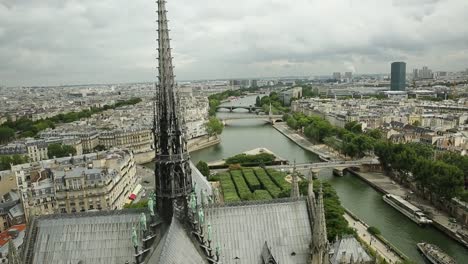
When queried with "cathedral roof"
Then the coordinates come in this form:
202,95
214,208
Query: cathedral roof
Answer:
176,247
242,230
98,238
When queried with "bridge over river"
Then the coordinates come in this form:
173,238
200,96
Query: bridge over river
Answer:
315,167
231,108
267,118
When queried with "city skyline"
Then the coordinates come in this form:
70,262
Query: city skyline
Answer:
90,42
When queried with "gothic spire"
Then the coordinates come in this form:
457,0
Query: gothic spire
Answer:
172,170
319,235
310,189
295,184
13,257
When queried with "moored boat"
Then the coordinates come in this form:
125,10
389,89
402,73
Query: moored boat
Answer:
434,254
406,208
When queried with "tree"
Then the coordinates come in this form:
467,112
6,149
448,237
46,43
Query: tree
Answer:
375,133
214,126
6,134
203,168
416,123
258,102
457,160
354,127
6,161
59,150
99,148
292,123
265,100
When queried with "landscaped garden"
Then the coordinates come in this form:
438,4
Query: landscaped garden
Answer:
244,184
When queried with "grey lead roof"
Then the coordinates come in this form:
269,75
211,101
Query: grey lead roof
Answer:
104,239
342,251
241,231
176,247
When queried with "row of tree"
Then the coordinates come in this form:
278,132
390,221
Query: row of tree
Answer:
6,161
244,159
441,175
59,150
349,141
25,127
277,105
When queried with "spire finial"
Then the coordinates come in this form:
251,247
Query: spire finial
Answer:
295,185
310,189
319,237
13,257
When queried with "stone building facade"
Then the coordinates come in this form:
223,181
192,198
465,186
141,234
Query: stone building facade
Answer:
80,183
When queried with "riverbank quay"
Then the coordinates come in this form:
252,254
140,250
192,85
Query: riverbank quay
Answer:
383,248
202,142
321,150
386,185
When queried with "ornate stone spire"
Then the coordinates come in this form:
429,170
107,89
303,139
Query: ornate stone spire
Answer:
13,257
294,183
173,174
310,188
319,235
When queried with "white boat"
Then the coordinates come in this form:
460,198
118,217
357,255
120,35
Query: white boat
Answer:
406,208
434,254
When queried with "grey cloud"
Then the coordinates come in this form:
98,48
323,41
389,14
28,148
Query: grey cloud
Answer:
66,41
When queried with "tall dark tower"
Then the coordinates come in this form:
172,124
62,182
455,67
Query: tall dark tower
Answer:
398,76
172,171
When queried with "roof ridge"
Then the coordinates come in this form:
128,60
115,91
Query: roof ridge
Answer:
93,214
258,202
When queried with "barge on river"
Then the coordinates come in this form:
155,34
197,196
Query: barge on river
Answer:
406,208
434,254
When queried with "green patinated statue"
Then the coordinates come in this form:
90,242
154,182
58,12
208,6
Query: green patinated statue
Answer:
209,232
143,222
201,216
202,197
134,237
193,202
151,205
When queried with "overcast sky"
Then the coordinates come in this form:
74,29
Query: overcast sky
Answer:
52,42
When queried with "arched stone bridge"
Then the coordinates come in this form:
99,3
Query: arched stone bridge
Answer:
231,108
338,165
315,167
267,118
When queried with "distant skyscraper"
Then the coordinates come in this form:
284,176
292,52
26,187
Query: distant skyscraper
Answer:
398,82
337,76
254,83
348,75
424,73
415,74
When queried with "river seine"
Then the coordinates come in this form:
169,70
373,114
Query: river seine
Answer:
361,199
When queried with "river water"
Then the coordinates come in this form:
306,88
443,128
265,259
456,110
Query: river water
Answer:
241,135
